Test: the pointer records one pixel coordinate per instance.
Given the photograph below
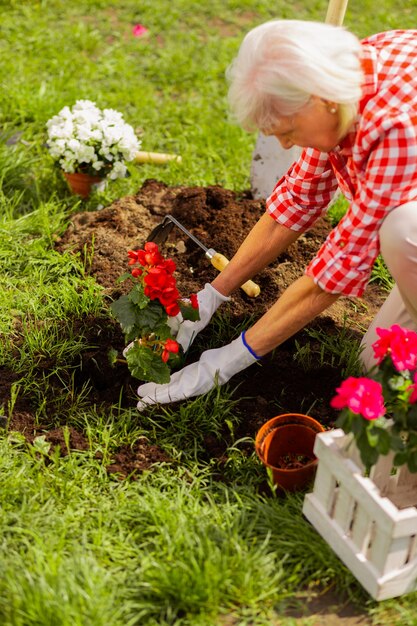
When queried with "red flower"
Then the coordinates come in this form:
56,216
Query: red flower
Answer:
156,276
168,296
172,309
157,280
169,266
360,395
194,301
170,346
133,257
150,255
400,343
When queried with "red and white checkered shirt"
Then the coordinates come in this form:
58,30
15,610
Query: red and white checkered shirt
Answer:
375,167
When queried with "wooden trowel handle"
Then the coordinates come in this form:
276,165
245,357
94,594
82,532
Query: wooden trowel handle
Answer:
219,261
336,12
156,157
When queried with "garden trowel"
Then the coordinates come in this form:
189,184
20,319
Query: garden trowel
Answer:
160,234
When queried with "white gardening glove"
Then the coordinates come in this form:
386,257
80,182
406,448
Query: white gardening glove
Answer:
209,300
214,366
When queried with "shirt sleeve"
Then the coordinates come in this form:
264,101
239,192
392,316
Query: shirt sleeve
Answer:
344,262
304,192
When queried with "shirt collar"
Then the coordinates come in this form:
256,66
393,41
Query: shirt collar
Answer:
369,88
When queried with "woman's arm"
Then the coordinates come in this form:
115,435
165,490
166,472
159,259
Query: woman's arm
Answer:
298,305
265,242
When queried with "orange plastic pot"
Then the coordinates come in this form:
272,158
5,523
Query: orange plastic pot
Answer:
80,183
285,437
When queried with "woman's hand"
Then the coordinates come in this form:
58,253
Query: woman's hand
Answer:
265,242
214,367
209,300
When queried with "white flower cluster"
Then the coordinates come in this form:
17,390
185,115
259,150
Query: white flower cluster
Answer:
85,138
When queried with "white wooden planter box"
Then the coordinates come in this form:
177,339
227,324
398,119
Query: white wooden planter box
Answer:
369,522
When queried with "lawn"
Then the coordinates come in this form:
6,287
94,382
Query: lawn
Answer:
172,545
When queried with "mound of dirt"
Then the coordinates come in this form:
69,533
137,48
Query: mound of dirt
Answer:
220,218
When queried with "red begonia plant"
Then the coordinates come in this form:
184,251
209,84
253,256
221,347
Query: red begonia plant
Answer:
145,311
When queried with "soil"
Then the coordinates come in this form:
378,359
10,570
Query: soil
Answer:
292,461
220,218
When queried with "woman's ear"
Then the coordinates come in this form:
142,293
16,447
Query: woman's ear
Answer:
332,107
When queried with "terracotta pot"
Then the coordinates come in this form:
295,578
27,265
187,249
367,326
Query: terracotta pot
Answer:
81,184
285,444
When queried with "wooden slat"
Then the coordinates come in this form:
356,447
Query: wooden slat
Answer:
379,548
397,554
344,509
324,486
361,529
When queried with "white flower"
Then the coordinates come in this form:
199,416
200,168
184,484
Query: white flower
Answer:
118,171
85,137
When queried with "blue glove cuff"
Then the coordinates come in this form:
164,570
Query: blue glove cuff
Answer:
247,346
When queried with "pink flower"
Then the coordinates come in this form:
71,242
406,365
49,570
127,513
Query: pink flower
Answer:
360,395
400,344
139,30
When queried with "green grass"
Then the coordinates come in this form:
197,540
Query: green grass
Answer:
87,550
174,546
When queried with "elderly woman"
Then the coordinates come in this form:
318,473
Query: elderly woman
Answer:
353,106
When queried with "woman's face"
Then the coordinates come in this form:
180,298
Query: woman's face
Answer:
314,126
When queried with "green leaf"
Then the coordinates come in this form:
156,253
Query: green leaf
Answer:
125,313
41,445
149,318
162,330
188,312
372,436
412,462
384,443
137,296
343,421
123,277
412,417
400,458
411,439
176,361
146,364
359,425
347,420
112,354
369,454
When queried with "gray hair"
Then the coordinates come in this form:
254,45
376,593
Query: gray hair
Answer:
282,63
